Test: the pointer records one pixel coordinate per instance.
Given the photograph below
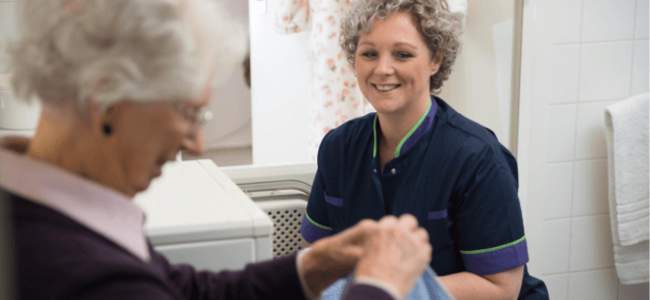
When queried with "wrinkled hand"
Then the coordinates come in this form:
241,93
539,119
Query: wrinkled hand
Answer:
333,257
397,254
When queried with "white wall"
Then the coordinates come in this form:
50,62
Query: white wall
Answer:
231,101
279,97
479,84
7,28
16,118
579,57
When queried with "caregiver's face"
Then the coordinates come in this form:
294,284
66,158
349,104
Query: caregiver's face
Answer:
147,135
393,64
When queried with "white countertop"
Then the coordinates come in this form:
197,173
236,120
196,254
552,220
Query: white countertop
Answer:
194,201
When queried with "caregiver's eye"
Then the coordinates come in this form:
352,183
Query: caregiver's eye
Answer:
404,55
369,54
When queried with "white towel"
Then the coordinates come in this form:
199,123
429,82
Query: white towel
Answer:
626,126
632,263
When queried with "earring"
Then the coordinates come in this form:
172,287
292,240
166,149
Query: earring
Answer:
107,129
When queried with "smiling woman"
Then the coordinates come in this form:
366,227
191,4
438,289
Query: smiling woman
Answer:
417,155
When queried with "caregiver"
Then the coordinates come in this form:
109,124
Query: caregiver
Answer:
417,155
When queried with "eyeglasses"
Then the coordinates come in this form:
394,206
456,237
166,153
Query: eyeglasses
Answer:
198,116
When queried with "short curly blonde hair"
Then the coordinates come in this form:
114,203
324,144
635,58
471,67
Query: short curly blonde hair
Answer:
145,50
438,27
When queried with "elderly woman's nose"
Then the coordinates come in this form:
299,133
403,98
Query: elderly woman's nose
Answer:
194,145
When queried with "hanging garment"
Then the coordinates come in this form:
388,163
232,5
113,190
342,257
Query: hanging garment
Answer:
334,96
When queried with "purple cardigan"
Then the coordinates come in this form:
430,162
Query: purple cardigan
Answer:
58,258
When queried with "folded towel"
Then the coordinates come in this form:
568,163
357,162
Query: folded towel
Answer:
632,263
427,287
626,126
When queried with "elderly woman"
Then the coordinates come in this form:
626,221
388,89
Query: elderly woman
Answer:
123,85
417,155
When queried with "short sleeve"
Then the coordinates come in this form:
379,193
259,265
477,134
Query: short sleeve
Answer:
315,223
292,16
488,215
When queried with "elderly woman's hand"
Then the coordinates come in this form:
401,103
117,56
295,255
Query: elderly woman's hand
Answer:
397,255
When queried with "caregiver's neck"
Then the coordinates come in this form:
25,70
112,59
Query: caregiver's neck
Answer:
397,124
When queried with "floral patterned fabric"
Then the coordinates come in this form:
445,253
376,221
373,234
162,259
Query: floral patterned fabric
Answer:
334,93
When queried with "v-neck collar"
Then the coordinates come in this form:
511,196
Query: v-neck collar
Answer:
415,134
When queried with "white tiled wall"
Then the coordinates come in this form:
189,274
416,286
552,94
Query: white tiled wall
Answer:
605,70
639,66
589,54
562,135
590,129
590,188
607,20
593,285
558,199
565,84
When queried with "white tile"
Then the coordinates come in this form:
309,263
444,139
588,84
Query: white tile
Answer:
590,187
590,132
591,244
565,62
565,25
7,29
557,285
608,20
594,285
559,187
640,67
557,240
633,292
561,139
605,71
641,30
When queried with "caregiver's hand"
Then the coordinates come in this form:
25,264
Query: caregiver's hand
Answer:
333,257
397,255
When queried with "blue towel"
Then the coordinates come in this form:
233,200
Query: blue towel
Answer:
427,287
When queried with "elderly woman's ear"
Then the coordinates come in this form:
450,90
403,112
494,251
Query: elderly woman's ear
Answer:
101,119
95,109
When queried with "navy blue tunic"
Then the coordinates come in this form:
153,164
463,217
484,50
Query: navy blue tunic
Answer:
451,173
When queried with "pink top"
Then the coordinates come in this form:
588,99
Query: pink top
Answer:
97,207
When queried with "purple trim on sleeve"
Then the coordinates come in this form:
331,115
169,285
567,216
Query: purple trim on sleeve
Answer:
366,292
438,214
497,261
422,130
333,200
312,233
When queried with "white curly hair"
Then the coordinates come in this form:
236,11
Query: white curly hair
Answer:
144,50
